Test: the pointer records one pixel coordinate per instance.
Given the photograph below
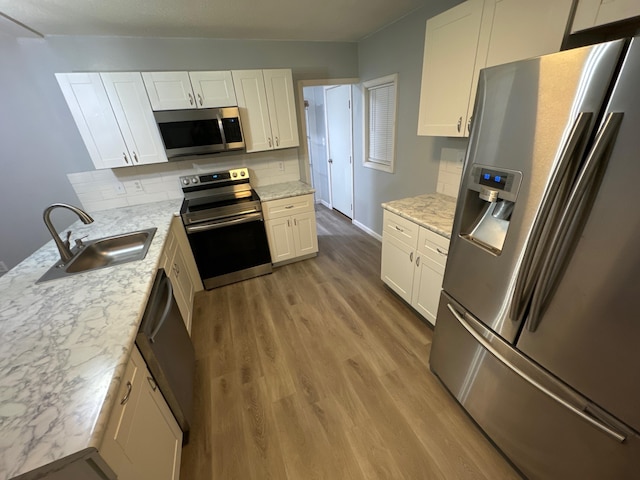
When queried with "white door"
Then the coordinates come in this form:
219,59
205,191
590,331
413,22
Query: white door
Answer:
338,115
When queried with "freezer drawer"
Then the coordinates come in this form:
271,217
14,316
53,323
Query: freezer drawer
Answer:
544,437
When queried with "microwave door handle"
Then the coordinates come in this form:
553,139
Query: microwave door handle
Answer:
221,127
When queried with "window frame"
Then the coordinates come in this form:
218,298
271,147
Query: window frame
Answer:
368,86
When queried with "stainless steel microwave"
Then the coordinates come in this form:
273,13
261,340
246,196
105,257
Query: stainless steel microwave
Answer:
200,131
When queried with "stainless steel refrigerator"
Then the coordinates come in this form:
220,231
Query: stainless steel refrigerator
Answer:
538,328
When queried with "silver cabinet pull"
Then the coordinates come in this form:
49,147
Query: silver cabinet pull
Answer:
418,262
200,99
277,142
469,125
152,382
441,252
399,229
190,99
269,139
288,222
135,156
289,206
411,257
295,222
459,124
125,399
124,155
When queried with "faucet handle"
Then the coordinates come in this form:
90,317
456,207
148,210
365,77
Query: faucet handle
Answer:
79,242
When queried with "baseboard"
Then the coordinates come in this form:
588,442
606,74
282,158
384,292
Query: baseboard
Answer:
367,230
323,202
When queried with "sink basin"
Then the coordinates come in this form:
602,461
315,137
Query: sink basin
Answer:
102,253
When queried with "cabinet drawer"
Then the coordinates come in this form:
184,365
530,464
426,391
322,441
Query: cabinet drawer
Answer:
287,206
433,246
400,228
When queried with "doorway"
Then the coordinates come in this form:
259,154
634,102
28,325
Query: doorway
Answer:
329,137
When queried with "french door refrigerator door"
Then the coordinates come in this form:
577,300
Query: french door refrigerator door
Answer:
585,327
547,430
532,123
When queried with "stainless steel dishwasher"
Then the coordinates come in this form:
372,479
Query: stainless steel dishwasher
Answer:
166,347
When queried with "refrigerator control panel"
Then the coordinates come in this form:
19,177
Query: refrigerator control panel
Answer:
505,182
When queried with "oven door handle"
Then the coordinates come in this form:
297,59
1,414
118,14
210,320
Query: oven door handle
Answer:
225,222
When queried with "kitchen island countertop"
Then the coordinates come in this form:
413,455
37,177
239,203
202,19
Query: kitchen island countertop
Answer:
65,343
283,190
434,211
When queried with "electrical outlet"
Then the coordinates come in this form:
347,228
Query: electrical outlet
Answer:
3,268
119,188
281,166
137,186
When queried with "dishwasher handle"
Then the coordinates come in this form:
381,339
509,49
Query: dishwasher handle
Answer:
165,312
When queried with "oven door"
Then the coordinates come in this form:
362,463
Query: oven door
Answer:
230,250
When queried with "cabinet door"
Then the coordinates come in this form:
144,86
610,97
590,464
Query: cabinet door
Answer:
305,235
142,438
451,42
282,107
213,89
94,117
169,90
592,13
182,286
281,241
427,284
133,112
538,26
254,111
397,266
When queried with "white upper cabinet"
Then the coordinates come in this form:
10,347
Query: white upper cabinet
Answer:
114,117
474,35
133,112
451,43
184,90
267,108
592,13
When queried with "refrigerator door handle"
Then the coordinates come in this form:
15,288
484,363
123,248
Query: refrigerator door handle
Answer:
165,312
553,201
597,423
573,218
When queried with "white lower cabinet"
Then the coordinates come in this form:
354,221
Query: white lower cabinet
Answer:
413,262
178,262
142,439
291,228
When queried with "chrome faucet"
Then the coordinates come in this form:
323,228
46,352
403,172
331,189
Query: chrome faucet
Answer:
64,246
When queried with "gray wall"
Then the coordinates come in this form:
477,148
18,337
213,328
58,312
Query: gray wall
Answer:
40,143
397,49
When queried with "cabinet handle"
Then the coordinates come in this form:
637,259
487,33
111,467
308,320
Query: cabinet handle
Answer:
135,156
152,382
277,142
125,399
289,206
124,155
400,229
200,99
469,124
459,124
190,99
295,222
176,269
269,139
411,257
441,252
418,262
288,222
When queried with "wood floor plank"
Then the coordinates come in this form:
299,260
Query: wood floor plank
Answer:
319,371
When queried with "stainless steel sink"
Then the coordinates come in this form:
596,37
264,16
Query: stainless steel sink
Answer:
102,253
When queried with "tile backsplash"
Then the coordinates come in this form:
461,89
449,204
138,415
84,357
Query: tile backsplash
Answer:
450,171
120,187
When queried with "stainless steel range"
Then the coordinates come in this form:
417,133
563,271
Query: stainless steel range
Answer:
223,218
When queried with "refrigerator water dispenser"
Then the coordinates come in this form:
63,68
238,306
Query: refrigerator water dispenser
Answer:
490,199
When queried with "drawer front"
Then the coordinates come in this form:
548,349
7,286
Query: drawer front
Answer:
400,228
433,246
287,206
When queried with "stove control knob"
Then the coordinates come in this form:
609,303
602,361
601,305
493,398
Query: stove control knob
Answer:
185,181
242,173
194,179
234,174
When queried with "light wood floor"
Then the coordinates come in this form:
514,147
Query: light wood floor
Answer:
318,371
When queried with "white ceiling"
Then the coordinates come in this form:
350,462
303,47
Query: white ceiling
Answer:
312,20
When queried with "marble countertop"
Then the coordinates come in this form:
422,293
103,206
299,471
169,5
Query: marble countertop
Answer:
283,190
433,211
65,343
